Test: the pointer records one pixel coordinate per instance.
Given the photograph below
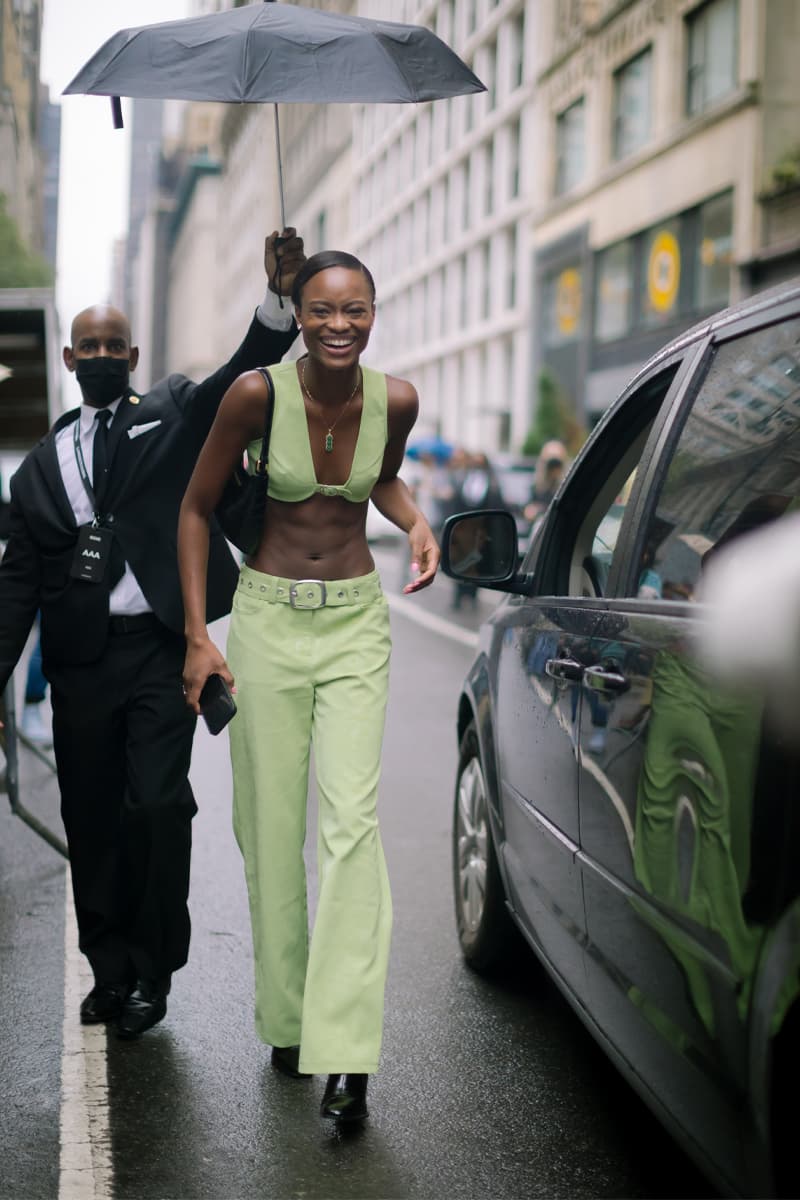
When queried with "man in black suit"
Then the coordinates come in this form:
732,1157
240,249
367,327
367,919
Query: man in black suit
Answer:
92,545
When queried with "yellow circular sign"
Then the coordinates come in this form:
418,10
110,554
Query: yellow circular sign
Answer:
568,301
663,271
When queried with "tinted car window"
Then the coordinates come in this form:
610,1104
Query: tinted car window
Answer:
582,535
736,465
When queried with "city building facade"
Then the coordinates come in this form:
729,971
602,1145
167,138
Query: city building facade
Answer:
20,155
440,213
632,166
669,181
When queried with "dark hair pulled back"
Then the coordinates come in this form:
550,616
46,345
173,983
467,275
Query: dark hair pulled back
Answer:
321,262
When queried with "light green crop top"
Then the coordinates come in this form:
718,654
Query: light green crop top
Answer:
291,467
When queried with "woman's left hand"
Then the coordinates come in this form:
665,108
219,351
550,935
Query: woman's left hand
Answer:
424,557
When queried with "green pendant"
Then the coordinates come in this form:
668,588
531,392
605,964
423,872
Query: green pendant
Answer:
328,443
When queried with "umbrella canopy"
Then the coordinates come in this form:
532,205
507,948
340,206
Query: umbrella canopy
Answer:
279,53
433,446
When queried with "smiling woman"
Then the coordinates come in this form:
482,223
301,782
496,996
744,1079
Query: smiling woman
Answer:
309,650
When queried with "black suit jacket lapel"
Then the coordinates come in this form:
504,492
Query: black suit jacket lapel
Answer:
51,468
124,417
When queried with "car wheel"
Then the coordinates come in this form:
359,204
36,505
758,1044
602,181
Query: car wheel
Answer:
485,930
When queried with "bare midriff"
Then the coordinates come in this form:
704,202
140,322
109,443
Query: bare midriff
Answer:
323,537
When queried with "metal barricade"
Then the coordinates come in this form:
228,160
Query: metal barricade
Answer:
11,738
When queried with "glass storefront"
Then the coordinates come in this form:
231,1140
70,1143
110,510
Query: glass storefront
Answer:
614,291
714,253
562,306
666,275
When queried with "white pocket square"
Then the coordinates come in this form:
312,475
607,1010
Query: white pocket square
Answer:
136,430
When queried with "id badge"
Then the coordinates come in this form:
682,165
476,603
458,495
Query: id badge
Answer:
91,553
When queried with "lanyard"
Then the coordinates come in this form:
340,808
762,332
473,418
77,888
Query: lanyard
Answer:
84,474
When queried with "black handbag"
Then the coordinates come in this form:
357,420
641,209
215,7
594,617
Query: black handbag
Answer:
241,507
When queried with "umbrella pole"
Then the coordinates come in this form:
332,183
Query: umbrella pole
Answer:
280,167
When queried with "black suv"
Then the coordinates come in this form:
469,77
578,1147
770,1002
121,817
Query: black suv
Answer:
638,822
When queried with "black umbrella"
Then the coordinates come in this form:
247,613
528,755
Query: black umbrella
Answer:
277,53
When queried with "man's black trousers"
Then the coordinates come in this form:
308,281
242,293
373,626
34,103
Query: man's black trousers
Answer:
122,737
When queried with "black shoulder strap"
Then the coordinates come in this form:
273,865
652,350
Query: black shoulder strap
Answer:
261,465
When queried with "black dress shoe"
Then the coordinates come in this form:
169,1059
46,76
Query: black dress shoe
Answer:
144,1008
104,1003
287,1060
345,1098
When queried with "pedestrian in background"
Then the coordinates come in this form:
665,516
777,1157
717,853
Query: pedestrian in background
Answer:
92,544
551,467
308,649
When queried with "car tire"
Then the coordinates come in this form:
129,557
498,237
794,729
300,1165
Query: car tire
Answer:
486,931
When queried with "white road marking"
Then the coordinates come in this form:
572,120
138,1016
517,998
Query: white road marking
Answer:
84,1136
407,608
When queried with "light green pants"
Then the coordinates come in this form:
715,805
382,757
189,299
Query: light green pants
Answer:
313,675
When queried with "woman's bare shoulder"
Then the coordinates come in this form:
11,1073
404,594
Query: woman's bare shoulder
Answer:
402,397
244,403
249,384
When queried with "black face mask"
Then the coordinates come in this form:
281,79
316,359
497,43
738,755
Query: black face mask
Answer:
102,379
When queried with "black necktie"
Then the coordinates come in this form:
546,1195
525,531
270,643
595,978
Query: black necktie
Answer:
100,455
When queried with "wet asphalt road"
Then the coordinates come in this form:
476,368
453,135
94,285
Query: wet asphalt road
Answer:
485,1090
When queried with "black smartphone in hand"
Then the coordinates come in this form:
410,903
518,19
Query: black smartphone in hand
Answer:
217,705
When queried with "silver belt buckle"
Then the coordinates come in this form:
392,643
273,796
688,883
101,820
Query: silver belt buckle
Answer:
308,593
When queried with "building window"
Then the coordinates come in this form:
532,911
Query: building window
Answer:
612,312
441,128
570,146
513,160
489,76
518,51
714,253
632,103
444,21
511,287
488,179
321,229
446,218
466,199
486,280
711,68
469,113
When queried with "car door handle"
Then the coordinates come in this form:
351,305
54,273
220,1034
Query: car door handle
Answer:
564,668
605,679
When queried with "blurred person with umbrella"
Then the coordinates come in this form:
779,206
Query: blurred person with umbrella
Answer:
93,526
431,448
309,648
277,53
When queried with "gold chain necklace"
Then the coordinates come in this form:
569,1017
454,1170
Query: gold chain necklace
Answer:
329,435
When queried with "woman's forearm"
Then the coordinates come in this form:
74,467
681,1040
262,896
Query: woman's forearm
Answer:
393,499
193,538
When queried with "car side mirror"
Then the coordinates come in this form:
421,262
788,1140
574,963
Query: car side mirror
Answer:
481,547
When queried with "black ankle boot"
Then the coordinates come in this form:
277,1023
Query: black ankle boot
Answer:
345,1098
287,1060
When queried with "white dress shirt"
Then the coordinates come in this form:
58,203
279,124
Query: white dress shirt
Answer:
127,597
